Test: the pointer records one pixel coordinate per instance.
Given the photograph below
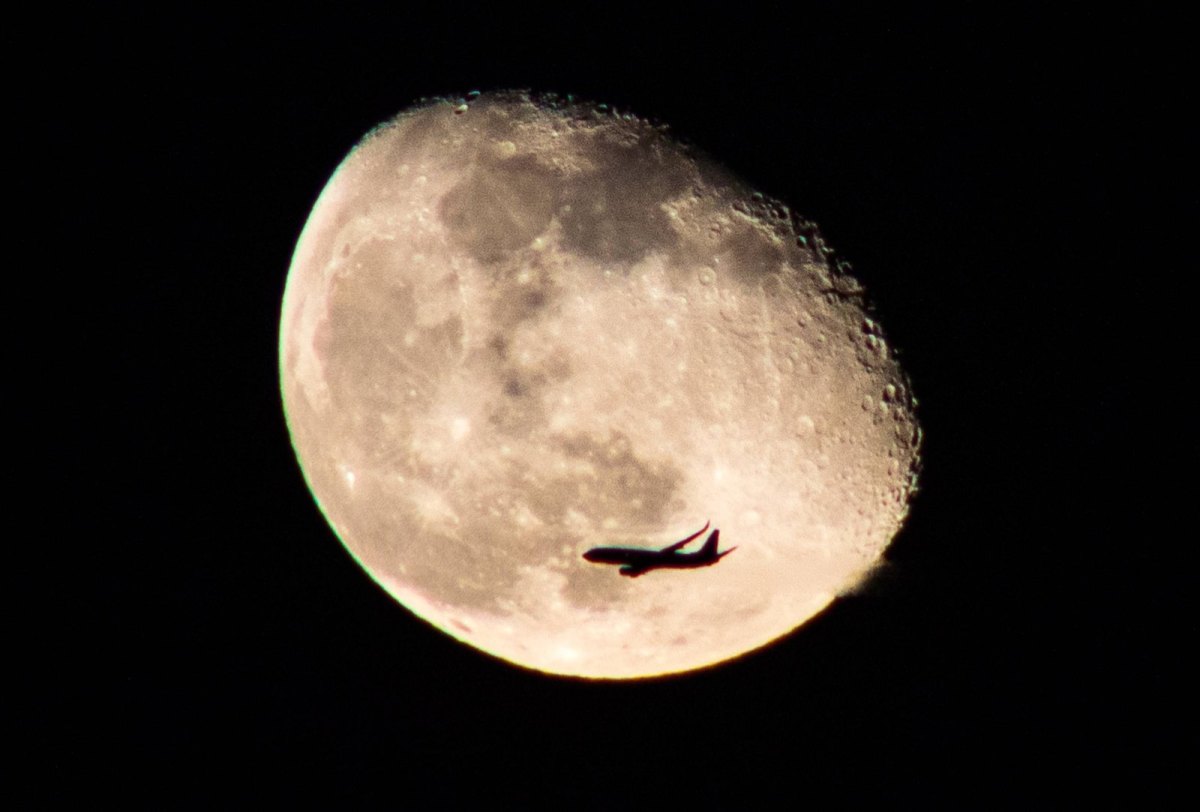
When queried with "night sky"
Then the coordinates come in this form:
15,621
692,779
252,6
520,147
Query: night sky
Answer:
995,178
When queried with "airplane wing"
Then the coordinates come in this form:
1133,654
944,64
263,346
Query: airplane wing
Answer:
673,547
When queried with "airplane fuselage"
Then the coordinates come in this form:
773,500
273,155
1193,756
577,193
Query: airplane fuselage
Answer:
649,558
636,562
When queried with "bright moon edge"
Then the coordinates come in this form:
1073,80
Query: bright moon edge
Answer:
698,285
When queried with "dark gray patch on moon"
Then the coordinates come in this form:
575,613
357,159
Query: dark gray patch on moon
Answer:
611,213
527,302
745,255
500,208
615,213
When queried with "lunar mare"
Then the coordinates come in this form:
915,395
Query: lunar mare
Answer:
522,327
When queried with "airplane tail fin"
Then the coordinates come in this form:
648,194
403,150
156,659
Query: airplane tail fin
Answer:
709,550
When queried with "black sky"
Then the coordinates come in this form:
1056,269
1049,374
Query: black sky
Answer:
992,176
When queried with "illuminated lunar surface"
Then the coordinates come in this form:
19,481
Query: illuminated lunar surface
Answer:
520,328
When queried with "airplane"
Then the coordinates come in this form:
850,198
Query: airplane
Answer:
636,561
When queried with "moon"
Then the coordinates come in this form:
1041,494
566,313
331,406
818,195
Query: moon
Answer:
516,327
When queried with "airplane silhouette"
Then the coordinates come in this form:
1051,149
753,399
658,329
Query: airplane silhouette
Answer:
636,561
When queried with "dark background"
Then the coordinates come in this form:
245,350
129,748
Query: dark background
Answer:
996,177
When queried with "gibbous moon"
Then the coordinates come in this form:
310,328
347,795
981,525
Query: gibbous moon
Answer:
519,327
